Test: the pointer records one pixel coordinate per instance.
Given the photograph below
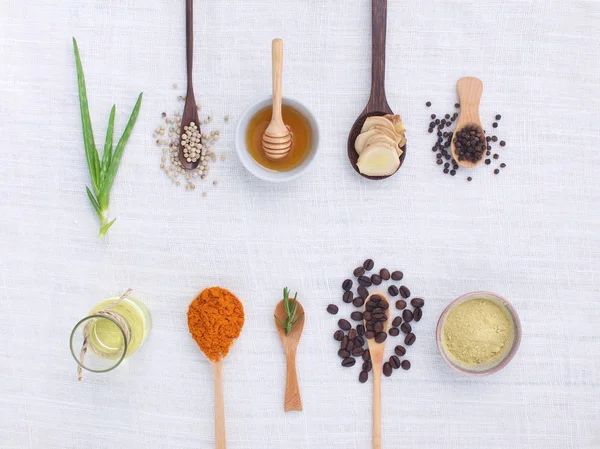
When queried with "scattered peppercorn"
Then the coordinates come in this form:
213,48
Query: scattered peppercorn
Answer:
428,104
495,125
496,171
498,117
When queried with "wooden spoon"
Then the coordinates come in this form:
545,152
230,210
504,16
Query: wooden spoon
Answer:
377,104
277,139
469,94
220,438
377,350
292,400
190,112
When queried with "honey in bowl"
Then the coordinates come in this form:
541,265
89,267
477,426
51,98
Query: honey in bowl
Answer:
301,138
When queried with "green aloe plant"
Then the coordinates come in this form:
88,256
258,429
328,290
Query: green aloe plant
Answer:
102,172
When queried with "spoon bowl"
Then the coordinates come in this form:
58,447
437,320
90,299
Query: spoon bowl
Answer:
293,400
469,94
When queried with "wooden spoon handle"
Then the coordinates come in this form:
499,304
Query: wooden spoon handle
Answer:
220,441
189,39
292,401
469,91
377,405
378,100
277,55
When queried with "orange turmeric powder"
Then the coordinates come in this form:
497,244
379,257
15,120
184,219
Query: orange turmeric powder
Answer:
215,319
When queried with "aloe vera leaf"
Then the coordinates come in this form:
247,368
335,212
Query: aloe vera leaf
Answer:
108,144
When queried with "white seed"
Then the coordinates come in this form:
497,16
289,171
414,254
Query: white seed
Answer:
226,118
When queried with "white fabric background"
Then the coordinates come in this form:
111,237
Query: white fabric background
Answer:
531,234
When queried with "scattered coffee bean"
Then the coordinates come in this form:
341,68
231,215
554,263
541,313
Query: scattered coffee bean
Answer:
367,365
345,325
360,330
376,279
358,301
363,377
364,281
395,362
387,369
397,275
407,316
348,296
385,274
393,290
338,335
348,362
368,264
351,345
344,342
333,309
356,316
347,285
360,341
428,104
400,304
358,272
404,292
394,332
410,339
343,353
397,321
358,351
352,334
406,328
418,302
380,337
362,291
405,365
366,356
418,314
400,350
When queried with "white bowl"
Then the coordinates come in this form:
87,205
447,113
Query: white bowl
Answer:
254,167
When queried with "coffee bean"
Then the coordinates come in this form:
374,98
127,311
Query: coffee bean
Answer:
370,334
418,314
360,330
362,292
387,369
378,327
344,325
502,143
395,362
379,316
344,342
363,377
385,274
376,279
393,290
338,335
380,337
405,365
376,298
400,304
366,356
358,272
333,309
368,264
347,298
384,305
343,353
404,292
397,275
498,117
351,345
356,316
407,316
397,321
367,365
358,351
394,332
417,302
400,350
428,104
358,301
410,339
406,328
364,281
368,316
348,362
347,284
360,341
352,334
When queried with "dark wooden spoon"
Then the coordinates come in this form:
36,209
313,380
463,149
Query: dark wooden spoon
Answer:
190,112
377,104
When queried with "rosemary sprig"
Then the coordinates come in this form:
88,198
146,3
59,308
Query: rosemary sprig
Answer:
290,306
103,173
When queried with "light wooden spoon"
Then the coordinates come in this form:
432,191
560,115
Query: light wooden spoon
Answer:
277,139
292,400
377,350
469,94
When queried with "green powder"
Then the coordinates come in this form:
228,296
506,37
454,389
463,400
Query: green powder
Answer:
478,332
